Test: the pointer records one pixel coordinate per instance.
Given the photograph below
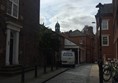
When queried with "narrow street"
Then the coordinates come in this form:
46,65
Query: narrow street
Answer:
79,74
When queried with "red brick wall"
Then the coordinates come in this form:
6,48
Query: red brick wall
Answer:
2,33
2,47
29,46
90,48
108,50
115,25
88,45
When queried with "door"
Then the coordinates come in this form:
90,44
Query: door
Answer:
11,49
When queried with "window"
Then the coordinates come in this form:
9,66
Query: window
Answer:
104,24
105,40
81,41
13,8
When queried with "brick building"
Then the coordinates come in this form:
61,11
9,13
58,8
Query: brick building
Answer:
19,25
115,27
90,43
106,31
75,43
85,40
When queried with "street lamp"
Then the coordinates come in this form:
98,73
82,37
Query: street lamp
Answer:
93,22
100,61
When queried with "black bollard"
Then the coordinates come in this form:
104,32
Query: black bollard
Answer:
57,65
51,67
35,71
23,75
45,69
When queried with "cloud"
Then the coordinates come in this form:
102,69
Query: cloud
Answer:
71,14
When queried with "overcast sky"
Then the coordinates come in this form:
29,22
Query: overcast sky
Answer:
71,14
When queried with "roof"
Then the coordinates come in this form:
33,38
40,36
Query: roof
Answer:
76,33
107,8
69,35
57,25
65,35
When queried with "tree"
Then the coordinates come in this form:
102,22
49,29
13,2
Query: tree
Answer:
49,43
48,39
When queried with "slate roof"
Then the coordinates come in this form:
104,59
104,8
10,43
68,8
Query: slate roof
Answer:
77,33
107,8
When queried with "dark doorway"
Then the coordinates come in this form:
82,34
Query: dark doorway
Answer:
11,49
75,50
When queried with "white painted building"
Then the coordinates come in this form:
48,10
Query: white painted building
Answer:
80,56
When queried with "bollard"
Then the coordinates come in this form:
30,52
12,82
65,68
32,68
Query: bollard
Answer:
23,75
57,64
45,69
35,71
51,68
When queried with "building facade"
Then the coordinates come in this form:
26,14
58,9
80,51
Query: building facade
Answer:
115,27
106,14
19,25
90,43
85,40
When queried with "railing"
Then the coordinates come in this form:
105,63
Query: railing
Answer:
35,68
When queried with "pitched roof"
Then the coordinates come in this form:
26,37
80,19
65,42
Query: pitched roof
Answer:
57,25
76,33
65,35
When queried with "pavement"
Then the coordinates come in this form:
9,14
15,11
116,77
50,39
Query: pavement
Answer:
94,74
42,78
29,77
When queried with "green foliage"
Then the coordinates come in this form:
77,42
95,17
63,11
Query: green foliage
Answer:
48,39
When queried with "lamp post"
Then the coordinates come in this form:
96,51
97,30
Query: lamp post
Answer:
100,61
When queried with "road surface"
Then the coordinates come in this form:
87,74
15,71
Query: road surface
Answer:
79,74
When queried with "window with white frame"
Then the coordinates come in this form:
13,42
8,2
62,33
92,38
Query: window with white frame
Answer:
13,8
105,40
105,24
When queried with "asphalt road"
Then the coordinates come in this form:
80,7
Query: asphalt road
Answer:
79,74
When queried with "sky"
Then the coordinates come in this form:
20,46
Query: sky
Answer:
70,14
